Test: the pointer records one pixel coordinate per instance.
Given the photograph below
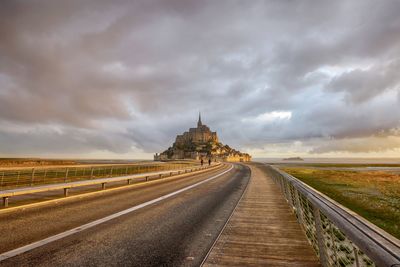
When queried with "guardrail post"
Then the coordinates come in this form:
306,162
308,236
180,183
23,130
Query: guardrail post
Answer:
2,178
5,202
103,186
66,190
66,175
32,176
320,237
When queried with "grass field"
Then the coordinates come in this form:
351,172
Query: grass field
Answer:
375,195
344,165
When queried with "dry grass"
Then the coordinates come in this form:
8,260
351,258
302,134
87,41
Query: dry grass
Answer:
375,195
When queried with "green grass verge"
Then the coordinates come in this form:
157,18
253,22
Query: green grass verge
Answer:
373,195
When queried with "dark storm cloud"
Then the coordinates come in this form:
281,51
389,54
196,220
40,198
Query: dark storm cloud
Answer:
125,75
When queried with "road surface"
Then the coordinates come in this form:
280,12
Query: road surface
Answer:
176,231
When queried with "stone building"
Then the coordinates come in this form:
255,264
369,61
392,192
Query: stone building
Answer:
200,143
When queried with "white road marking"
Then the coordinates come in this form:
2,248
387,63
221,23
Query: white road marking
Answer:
18,251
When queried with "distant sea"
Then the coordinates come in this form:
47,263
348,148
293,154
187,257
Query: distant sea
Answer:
333,160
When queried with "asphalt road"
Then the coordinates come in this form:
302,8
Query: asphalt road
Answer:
177,231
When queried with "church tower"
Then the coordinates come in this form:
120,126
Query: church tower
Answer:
199,123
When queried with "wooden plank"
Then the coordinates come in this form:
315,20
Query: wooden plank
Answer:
263,231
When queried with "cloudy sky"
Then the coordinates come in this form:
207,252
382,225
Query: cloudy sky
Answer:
119,79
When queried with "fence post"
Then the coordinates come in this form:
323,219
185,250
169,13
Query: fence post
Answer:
32,176
320,237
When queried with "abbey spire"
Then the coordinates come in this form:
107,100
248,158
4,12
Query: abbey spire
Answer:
199,123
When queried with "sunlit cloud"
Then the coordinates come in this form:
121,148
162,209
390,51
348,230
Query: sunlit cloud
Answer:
270,117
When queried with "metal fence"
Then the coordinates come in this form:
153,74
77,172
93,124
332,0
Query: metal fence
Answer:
15,178
338,236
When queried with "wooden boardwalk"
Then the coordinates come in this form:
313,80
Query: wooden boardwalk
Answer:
263,231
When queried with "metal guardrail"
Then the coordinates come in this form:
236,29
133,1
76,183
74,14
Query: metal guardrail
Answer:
6,194
338,236
24,177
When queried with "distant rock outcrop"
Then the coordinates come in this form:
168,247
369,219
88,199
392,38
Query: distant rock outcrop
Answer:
294,159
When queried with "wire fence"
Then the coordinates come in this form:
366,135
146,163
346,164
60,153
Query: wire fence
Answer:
15,178
339,238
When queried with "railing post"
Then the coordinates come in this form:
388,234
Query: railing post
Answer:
320,237
333,242
355,250
91,173
298,207
66,192
290,197
32,176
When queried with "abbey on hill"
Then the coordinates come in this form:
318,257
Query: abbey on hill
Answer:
201,143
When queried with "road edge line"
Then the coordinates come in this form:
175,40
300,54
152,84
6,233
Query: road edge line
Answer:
108,190
31,246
